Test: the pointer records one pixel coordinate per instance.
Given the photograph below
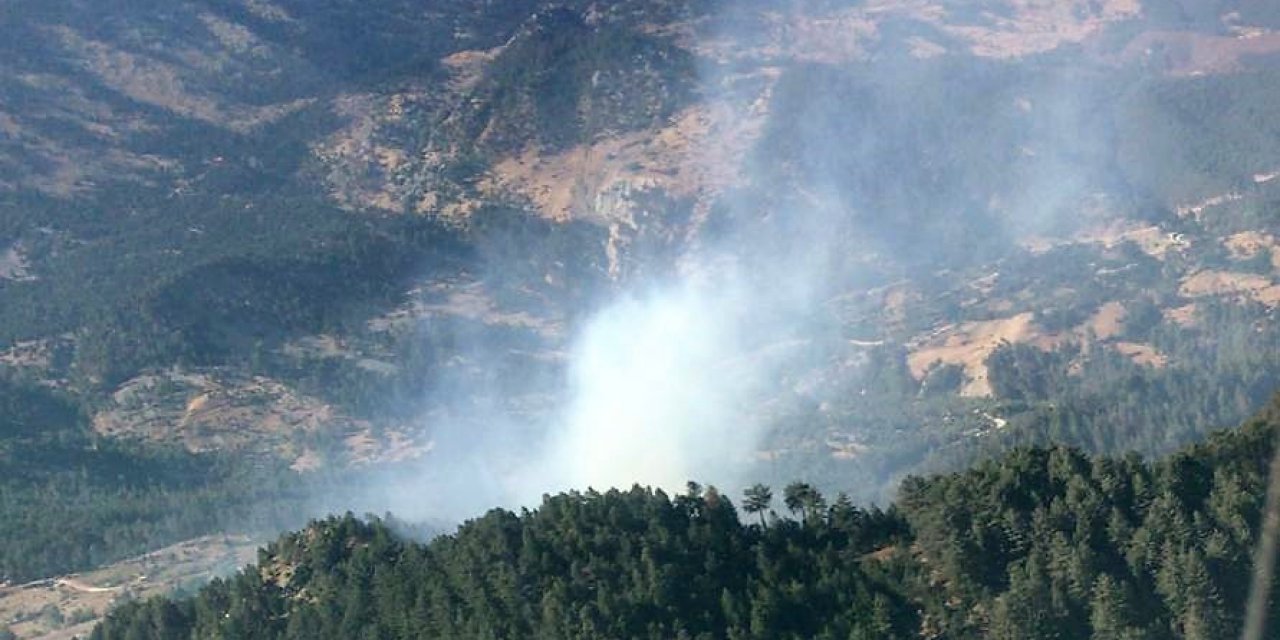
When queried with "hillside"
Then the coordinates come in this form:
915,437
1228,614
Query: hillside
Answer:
1041,543
70,606
262,260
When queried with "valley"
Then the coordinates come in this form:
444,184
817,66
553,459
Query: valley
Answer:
69,607
249,278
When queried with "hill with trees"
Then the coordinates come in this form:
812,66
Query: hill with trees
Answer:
256,252
1036,544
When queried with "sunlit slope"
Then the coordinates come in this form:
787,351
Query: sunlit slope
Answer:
226,240
70,606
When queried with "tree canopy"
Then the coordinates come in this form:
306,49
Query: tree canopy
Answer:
1041,543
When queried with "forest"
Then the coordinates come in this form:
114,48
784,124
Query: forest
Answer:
1040,543
72,500
238,250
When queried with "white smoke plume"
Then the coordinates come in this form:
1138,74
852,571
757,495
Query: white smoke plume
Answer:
654,390
657,389
666,382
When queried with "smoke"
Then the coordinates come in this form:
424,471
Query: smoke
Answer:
663,382
654,385
659,388
886,161
661,385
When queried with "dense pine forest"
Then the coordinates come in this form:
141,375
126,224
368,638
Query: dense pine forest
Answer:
1040,543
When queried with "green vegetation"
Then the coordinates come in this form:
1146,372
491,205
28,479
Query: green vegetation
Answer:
561,82
1083,393
225,254
949,162
1104,401
1182,139
1042,543
1051,543
71,501
120,501
209,280
621,564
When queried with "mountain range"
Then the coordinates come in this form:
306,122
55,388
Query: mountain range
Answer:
262,260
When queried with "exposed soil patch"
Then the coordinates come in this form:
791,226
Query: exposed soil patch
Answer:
234,37
1151,239
467,300
1183,53
699,153
969,345
201,412
1247,244
832,37
162,84
9,125
360,169
467,67
267,11
69,606
897,302
30,354
1154,241
1184,316
842,447
326,346
1108,321
1008,29
1227,283
1027,27
14,265
42,156
1142,354
309,460
1196,210
882,555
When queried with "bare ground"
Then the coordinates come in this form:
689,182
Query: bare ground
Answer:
970,344
202,412
80,600
164,84
14,265
1226,283
1151,239
1183,316
1248,244
1193,54
1036,27
698,153
1143,354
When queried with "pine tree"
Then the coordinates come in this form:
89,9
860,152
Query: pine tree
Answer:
757,499
1111,616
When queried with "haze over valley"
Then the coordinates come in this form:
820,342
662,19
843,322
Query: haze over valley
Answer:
263,261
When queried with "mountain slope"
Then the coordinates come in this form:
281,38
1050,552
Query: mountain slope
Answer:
1043,543
240,254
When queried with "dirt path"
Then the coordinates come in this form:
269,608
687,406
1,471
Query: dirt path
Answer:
76,585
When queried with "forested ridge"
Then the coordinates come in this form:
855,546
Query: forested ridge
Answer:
1040,543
